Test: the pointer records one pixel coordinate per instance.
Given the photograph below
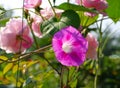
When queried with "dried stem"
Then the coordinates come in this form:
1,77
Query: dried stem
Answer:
22,56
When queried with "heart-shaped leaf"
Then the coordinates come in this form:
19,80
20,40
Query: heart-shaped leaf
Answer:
69,6
51,26
113,9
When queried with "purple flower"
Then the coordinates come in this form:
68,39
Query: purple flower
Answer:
70,46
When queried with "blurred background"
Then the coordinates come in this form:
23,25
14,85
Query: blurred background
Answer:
40,73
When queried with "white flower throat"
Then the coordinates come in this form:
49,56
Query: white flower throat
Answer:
67,47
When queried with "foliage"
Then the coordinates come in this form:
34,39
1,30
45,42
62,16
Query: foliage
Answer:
37,67
113,10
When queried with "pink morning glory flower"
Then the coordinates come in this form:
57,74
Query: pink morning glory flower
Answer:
15,36
92,46
90,14
48,12
37,20
97,4
70,46
32,3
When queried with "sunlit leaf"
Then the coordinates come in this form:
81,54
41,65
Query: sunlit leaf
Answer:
3,58
3,21
40,86
113,9
46,40
15,68
73,84
86,20
31,63
49,54
69,6
114,56
48,74
70,17
51,26
7,68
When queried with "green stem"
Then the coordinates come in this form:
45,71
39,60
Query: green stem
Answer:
9,10
108,26
96,21
13,9
96,74
61,77
74,76
107,38
67,83
22,56
42,17
71,76
99,55
84,29
52,66
35,40
105,42
68,1
38,12
86,21
21,9
52,7
17,79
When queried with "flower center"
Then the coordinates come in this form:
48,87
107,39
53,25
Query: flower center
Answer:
67,47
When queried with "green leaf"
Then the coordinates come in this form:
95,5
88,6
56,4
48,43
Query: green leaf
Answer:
45,40
49,54
114,56
70,17
29,82
85,20
7,68
73,84
69,6
113,9
32,63
15,68
1,8
3,58
3,21
51,26
48,26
